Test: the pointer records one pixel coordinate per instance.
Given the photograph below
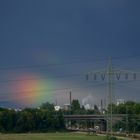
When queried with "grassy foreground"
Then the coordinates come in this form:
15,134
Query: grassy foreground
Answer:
49,136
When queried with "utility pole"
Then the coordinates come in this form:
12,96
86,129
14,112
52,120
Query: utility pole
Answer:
70,100
126,127
110,83
56,102
70,97
101,106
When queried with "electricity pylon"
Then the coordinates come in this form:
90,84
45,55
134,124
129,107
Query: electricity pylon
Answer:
111,74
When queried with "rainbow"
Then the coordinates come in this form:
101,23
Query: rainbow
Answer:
29,89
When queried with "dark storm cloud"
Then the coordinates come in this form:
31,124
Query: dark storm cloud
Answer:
51,31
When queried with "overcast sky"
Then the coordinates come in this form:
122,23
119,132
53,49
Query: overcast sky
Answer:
44,41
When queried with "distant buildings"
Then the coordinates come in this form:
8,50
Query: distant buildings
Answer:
57,108
87,106
120,101
66,106
18,110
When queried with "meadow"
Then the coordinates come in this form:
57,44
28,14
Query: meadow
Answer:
50,136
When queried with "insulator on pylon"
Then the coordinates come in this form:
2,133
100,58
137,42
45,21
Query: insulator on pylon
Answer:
118,76
134,76
95,77
126,76
87,77
103,76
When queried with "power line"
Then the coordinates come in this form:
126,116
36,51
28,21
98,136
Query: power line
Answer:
44,90
56,89
131,86
50,64
66,63
30,79
67,88
57,77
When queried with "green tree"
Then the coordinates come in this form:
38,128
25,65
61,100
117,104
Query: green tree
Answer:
75,106
8,120
47,106
25,122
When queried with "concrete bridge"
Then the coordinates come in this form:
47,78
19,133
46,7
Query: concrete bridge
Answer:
91,121
93,117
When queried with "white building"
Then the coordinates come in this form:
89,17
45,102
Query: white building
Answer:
120,101
66,106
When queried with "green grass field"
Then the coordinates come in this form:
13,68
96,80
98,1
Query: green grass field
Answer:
49,136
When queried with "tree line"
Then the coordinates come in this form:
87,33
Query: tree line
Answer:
43,119
131,121
46,119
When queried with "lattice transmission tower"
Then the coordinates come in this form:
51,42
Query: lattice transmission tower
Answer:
110,74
